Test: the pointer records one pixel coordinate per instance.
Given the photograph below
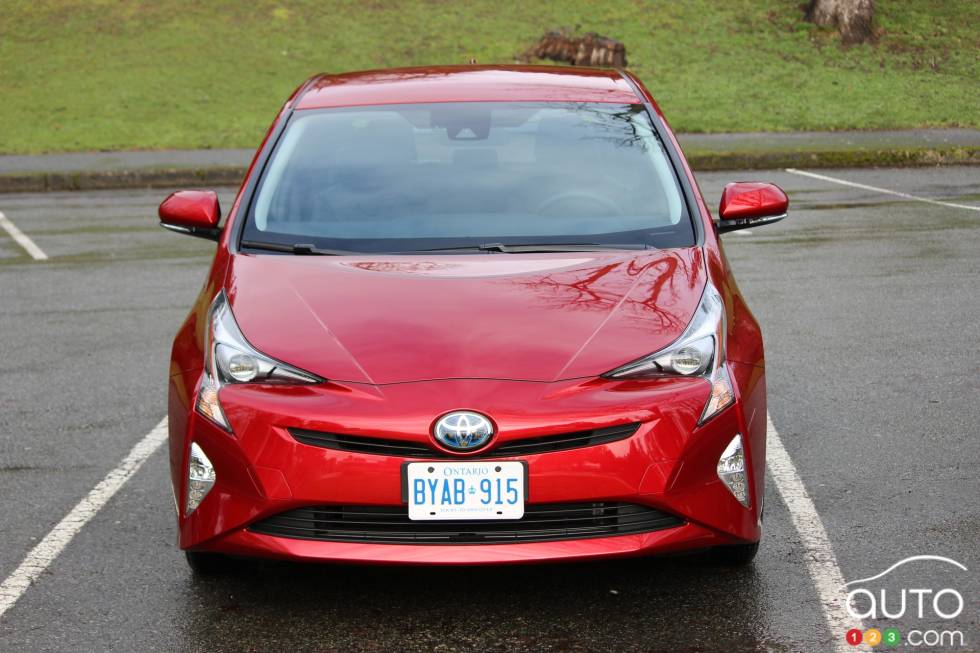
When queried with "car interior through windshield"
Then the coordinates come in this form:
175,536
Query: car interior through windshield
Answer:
406,178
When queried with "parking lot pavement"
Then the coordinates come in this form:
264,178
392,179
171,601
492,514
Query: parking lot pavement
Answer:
869,306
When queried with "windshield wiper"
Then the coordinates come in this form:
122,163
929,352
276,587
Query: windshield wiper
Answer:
308,249
535,247
300,249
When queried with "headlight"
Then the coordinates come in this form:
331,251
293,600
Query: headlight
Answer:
699,352
230,359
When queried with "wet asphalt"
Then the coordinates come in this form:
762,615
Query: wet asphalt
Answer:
871,312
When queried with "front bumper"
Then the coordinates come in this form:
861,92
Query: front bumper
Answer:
246,543
668,464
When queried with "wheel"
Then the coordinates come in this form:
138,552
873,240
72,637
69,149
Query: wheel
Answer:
733,556
210,564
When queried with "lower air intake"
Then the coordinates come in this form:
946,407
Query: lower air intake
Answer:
391,525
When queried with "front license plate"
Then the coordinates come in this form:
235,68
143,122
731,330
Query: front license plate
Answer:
465,490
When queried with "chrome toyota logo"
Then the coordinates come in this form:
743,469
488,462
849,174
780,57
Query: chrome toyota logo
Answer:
463,430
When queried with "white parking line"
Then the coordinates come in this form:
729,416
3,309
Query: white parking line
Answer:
21,239
820,560
844,182
42,555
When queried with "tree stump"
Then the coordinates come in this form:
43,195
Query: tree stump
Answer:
854,19
587,50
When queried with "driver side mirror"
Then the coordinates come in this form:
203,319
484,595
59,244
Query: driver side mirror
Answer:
193,212
748,204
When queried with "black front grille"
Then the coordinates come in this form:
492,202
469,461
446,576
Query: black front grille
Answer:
544,444
391,525
363,444
407,449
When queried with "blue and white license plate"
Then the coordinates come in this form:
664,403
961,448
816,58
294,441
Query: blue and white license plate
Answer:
465,490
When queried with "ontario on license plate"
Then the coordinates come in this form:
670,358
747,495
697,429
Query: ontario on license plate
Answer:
465,490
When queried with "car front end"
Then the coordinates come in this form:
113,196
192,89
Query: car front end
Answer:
370,376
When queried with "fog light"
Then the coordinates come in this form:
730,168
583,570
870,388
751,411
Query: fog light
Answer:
200,478
731,470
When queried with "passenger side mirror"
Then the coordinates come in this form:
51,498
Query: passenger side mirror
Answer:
193,212
748,204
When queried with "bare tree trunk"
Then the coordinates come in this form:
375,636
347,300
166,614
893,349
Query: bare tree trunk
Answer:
852,18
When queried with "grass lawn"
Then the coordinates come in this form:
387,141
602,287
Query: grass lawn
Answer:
122,74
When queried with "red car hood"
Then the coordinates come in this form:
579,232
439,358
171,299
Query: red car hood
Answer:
530,317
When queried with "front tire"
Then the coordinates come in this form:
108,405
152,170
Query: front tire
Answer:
738,555
209,564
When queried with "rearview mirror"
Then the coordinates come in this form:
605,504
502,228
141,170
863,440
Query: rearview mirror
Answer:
194,212
748,204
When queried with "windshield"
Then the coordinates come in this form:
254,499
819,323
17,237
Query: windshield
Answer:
417,177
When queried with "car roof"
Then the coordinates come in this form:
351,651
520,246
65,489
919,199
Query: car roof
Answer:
467,84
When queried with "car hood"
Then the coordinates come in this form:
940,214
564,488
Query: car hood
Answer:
529,317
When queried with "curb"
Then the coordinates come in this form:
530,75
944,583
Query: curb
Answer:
700,161
716,161
39,182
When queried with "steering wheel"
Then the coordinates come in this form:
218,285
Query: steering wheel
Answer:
579,196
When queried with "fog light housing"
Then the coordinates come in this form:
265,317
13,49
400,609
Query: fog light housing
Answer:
200,478
731,470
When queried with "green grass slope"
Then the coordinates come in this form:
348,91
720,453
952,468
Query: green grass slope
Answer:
127,74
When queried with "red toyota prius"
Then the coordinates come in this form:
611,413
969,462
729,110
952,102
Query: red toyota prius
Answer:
468,315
